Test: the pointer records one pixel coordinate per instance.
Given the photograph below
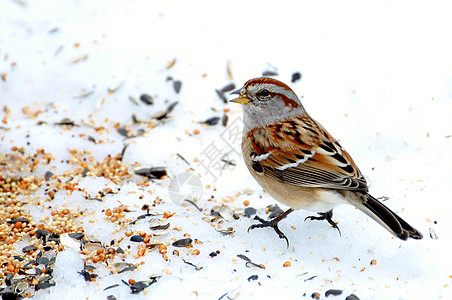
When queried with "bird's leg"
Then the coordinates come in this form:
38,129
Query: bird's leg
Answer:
325,216
273,223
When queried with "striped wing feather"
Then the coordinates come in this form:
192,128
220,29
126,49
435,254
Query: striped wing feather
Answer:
302,152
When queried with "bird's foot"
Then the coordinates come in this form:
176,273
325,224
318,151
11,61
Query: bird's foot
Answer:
325,216
273,223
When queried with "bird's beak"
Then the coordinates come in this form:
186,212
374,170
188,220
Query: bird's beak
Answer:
241,99
237,92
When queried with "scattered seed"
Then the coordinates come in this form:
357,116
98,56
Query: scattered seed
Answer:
310,278
113,90
43,261
147,99
42,234
432,233
79,59
229,87
193,203
177,84
250,211
163,115
253,277
28,248
123,132
315,295
269,73
181,157
225,230
275,211
170,64
136,238
352,297
44,285
287,264
193,265
65,121
88,276
182,242
296,76
373,262
111,286
111,297
89,268
333,292
151,173
156,224
127,269
221,95
229,70
141,285
224,120
47,175
76,235
211,121
244,257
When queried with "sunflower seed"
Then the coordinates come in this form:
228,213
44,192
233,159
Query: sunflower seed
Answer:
147,99
211,121
123,132
111,287
193,265
221,95
229,87
76,235
224,120
65,121
182,242
296,76
47,175
42,234
177,84
87,275
224,229
253,277
333,292
151,173
136,238
269,73
163,115
249,211
28,248
127,269
44,285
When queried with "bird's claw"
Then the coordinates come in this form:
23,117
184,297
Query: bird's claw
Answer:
325,216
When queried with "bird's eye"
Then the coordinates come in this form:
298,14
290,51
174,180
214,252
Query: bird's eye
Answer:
263,94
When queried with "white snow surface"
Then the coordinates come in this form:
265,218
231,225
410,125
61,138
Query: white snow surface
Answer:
377,75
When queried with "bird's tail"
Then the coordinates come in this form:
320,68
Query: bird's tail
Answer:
387,218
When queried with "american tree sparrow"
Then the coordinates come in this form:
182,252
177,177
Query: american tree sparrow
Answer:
299,163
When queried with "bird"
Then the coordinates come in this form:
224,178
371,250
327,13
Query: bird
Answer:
299,163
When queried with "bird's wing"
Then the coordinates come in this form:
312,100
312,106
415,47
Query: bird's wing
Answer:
301,152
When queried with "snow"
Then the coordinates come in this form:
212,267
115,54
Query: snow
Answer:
377,75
